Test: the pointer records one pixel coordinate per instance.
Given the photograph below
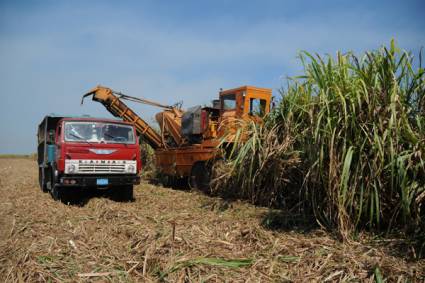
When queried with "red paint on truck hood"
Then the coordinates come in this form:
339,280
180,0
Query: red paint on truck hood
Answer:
98,151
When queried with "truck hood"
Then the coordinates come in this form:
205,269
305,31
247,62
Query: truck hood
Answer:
100,151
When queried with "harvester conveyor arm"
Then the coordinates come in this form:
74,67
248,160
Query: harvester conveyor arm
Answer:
141,100
112,102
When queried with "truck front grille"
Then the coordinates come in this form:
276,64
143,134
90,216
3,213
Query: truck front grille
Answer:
101,168
84,166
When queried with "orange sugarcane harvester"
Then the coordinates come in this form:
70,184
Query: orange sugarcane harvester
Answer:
188,142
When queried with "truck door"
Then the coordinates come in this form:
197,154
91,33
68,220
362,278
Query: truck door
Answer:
58,158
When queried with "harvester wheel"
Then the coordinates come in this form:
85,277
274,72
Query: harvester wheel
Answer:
200,176
218,168
166,180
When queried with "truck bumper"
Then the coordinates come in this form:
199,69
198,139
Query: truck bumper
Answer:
92,181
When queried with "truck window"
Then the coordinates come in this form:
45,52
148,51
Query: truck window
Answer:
51,137
99,132
257,107
229,102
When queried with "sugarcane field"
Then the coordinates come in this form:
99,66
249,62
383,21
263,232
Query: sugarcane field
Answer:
222,141
175,236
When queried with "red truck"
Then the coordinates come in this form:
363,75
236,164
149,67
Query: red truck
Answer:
84,153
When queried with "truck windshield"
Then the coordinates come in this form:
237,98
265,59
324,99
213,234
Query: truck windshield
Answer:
99,132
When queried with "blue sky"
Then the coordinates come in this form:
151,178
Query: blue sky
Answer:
51,52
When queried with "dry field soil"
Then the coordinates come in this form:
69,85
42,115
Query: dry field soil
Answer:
168,235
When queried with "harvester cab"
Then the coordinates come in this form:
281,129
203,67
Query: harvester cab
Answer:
233,108
245,102
242,105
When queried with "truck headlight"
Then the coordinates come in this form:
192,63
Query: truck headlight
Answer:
72,168
131,168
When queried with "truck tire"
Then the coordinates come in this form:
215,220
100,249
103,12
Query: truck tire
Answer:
66,195
60,193
122,193
56,192
42,181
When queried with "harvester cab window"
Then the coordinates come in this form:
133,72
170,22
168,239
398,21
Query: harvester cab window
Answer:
257,107
229,102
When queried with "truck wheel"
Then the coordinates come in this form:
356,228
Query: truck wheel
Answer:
200,177
122,193
56,192
62,194
66,195
42,181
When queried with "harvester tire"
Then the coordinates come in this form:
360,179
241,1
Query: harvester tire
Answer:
166,180
218,167
200,176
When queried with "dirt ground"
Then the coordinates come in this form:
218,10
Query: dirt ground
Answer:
175,236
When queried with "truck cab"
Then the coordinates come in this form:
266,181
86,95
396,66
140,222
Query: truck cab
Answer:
81,152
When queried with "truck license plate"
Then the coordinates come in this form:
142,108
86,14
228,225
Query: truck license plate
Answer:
101,182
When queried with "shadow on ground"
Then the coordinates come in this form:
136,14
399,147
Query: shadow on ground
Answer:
82,197
410,247
284,221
